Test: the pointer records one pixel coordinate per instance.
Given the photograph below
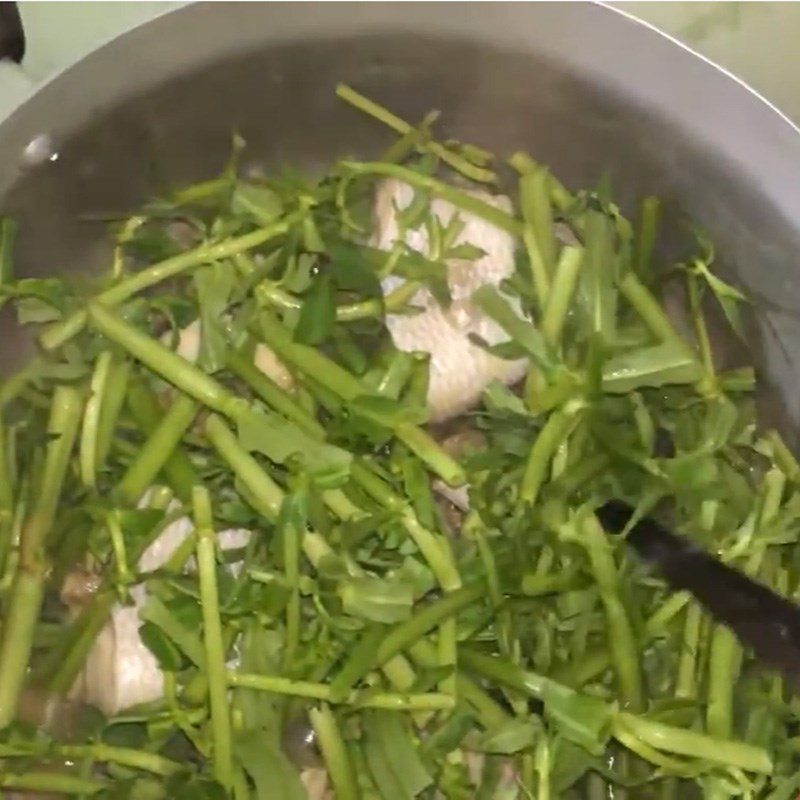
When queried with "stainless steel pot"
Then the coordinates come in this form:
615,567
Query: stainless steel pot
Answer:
583,87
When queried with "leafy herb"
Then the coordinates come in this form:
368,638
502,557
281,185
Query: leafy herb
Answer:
406,633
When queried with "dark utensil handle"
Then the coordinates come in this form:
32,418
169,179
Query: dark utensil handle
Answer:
12,34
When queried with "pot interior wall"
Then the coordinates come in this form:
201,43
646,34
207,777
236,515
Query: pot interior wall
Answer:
281,100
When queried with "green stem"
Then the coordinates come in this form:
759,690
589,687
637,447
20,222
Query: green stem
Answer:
434,549
537,212
404,634
686,683
147,413
397,701
490,713
116,390
375,648
8,236
292,536
61,332
157,450
272,295
427,450
621,639
560,296
700,328
400,126
11,386
264,494
723,671
212,638
126,757
161,360
560,197
550,438
682,741
646,239
47,782
269,391
507,674
334,751
25,599
650,311
308,359
460,199
377,307
338,380
6,476
91,419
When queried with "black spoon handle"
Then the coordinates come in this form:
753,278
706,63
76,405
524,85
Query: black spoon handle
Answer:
762,619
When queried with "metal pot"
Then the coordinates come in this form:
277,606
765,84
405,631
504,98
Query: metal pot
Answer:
582,87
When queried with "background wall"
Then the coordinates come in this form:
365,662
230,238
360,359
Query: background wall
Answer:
757,41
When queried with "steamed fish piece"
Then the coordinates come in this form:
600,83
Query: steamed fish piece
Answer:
459,370
120,672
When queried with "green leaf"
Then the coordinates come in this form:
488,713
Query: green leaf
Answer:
385,412
355,268
522,332
33,311
415,266
317,314
280,440
185,639
377,599
658,365
583,719
510,737
214,285
392,757
161,646
38,292
259,203
729,298
498,397
270,770
466,252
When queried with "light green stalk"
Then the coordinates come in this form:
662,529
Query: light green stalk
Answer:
61,332
213,639
25,598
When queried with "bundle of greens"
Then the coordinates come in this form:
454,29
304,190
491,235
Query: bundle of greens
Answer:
505,648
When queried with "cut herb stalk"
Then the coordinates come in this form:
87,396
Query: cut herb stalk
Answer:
147,413
157,450
334,751
341,382
61,332
24,602
212,638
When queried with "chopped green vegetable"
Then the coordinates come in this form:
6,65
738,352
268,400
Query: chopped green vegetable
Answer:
342,583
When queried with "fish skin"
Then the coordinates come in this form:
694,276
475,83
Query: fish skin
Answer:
459,369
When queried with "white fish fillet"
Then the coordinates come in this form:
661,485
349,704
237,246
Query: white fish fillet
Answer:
120,671
459,370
